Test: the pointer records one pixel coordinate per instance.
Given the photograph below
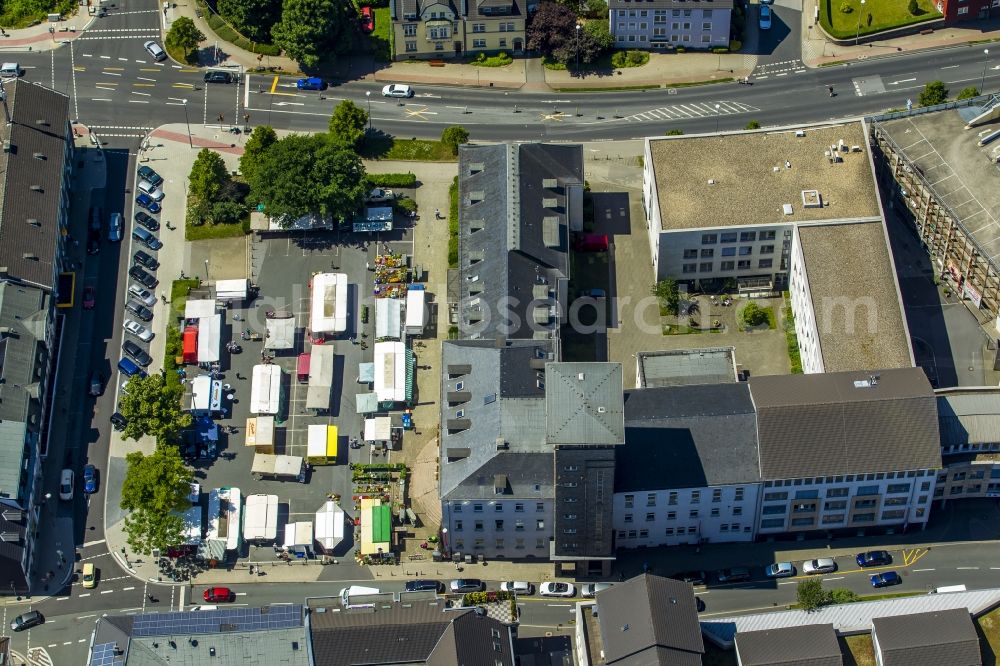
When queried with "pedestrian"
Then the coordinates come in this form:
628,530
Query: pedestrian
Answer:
163,298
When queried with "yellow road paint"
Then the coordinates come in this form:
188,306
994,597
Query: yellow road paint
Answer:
183,85
114,69
274,84
79,69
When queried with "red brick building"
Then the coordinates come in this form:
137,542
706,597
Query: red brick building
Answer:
965,10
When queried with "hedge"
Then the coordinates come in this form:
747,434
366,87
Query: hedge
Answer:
392,179
227,33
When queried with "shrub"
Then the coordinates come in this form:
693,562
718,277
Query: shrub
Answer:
720,49
620,59
913,7
841,595
933,93
735,45
752,125
392,179
968,93
675,132
681,49
408,205
753,315
811,595
845,7
501,59
454,136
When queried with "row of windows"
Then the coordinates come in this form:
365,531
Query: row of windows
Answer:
694,497
498,525
676,25
498,507
501,27
643,13
480,544
661,36
708,252
731,236
693,513
813,493
833,519
742,265
849,478
671,531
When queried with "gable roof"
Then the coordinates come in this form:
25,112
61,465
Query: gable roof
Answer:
670,4
846,423
809,645
584,404
650,620
928,639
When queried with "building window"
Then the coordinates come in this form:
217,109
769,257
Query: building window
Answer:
724,527
706,26
837,492
739,491
628,517
692,529
835,505
865,504
895,514
766,249
477,508
706,13
503,43
411,47
867,490
897,488
764,263
519,508
539,524
669,531
479,43
498,525
748,236
705,267
479,526
709,239
651,499
715,513
650,517
539,506
690,254
833,518
746,251
803,522
499,544
457,508
727,265
689,268
478,27
643,534
737,511
498,507
631,534
672,498
729,252
693,513
743,265
806,494
518,525
963,10
409,30
695,496
775,497
707,253
706,39
766,236
671,515
716,494
728,237
458,525
772,522
772,509
864,517
956,490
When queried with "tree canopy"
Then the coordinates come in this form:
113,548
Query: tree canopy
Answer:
810,594
552,31
261,139
253,18
347,123
454,136
310,30
153,494
299,175
152,408
208,175
184,37
667,292
933,93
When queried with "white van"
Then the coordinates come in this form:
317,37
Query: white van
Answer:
10,70
356,591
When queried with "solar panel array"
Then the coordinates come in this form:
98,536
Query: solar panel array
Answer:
217,621
103,655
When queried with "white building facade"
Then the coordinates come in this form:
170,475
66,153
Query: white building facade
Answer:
507,528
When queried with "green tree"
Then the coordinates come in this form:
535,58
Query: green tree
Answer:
675,132
600,32
968,93
752,125
253,18
310,30
153,494
260,141
347,123
454,136
913,7
933,93
841,595
183,37
208,175
810,594
152,408
300,175
668,294
753,315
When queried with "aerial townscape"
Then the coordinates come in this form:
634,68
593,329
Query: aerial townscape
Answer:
500,332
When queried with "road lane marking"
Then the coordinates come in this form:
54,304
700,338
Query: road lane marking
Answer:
274,84
88,544
100,99
149,69
967,568
189,86
84,617
916,570
103,57
61,598
84,595
138,101
106,591
789,582
128,589
559,605
825,580
111,73
950,67
123,59
145,78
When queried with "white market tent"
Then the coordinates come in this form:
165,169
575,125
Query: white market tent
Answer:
206,394
320,377
265,389
378,429
192,526
280,333
224,508
328,311
366,403
299,537
260,519
415,311
329,526
209,338
199,308
390,371
388,316
260,433
232,290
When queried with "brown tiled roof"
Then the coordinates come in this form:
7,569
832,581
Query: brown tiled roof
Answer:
928,639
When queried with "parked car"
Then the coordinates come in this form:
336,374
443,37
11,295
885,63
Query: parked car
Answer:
821,566
66,485
26,621
143,259
517,587
139,310
95,386
885,579
115,227
397,90
367,19
147,173
89,479
133,327
12,70
218,77
733,575
147,221
89,298
96,218
765,17
590,590
155,192
462,585
93,242
145,201
424,585
311,83
142,277
146,238
128,368
144,296
89,575
556,590
873,558
137,353
216,594
780,570
693,577
379,195
118,421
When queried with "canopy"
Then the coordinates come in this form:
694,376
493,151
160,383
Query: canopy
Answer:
320,377
299,534
388,313
329,526
266,464
209,337
378,429
366,403
376,527
390,371
189,348
196,308
366,373
415,305
232,290
265,389
321,444
206,394
260,521
280,333
224,508
260,433
192,526
328,313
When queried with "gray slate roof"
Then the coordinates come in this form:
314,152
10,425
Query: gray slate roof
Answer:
809,645
928,639
650,620
29,218
670,4
488,9
584,403
506,406
688,437
969,416
842,423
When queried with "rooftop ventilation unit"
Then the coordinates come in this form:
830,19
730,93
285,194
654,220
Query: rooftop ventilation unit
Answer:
812,199
800,133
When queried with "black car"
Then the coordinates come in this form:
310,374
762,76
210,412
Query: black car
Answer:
143,259
26,621
873,558
142,277
139,310
693,577
118,421
422,585
733,575
218,77
147,221
96,215
146,173
93,242
137,353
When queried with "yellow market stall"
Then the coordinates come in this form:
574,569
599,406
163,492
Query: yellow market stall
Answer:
260,434
321,445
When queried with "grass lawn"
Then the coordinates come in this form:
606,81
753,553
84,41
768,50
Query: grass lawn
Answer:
988,627
385,147
205,231
178,296
381,37
857,650
885,14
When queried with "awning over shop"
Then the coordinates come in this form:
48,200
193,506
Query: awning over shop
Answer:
209,338
199,307
192,526
232,290
329,526
280,333
378,429
376,527
206,394
265,389
189,345
260,433
390,372
328,310
388,315
366,403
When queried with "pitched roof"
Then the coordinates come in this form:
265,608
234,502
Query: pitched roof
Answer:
845,423
969,415
928,639
13,528
809,645
688,436
650,620
584,403
31,181
670,4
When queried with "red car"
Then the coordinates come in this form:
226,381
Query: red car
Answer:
89,300
367,19
215,594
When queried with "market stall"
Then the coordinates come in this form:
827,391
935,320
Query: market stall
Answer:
224,511
280,331
366,403
393,373
299,539
193,525
376,527
328,310
329,527
189,344
391,276
277,468
260,523
388,318
378,429
321,444
209,338
260,433
366,373
232,290
198,308
416,306
206,395
265,389
321,366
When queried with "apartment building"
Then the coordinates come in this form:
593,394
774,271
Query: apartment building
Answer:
664,24
967,10
969,421
430,29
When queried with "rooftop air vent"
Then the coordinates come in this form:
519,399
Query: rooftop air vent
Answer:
42,122
34,222
39,156
29,256
37,188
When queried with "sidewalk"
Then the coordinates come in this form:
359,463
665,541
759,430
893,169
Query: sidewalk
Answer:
38,37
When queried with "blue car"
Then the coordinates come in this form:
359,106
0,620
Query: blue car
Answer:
873,558
130,369
885,579
145,201
312,83
89,479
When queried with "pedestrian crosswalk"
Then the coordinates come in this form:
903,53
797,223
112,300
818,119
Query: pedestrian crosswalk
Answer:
781,68
693,110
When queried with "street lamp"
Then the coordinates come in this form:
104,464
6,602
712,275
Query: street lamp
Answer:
206,270
368,94
578,26
187,122
718,112
857,35
986,62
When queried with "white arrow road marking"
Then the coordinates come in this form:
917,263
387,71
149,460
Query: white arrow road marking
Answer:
896,83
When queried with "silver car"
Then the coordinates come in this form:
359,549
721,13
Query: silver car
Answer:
821,566
138,330
143,295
